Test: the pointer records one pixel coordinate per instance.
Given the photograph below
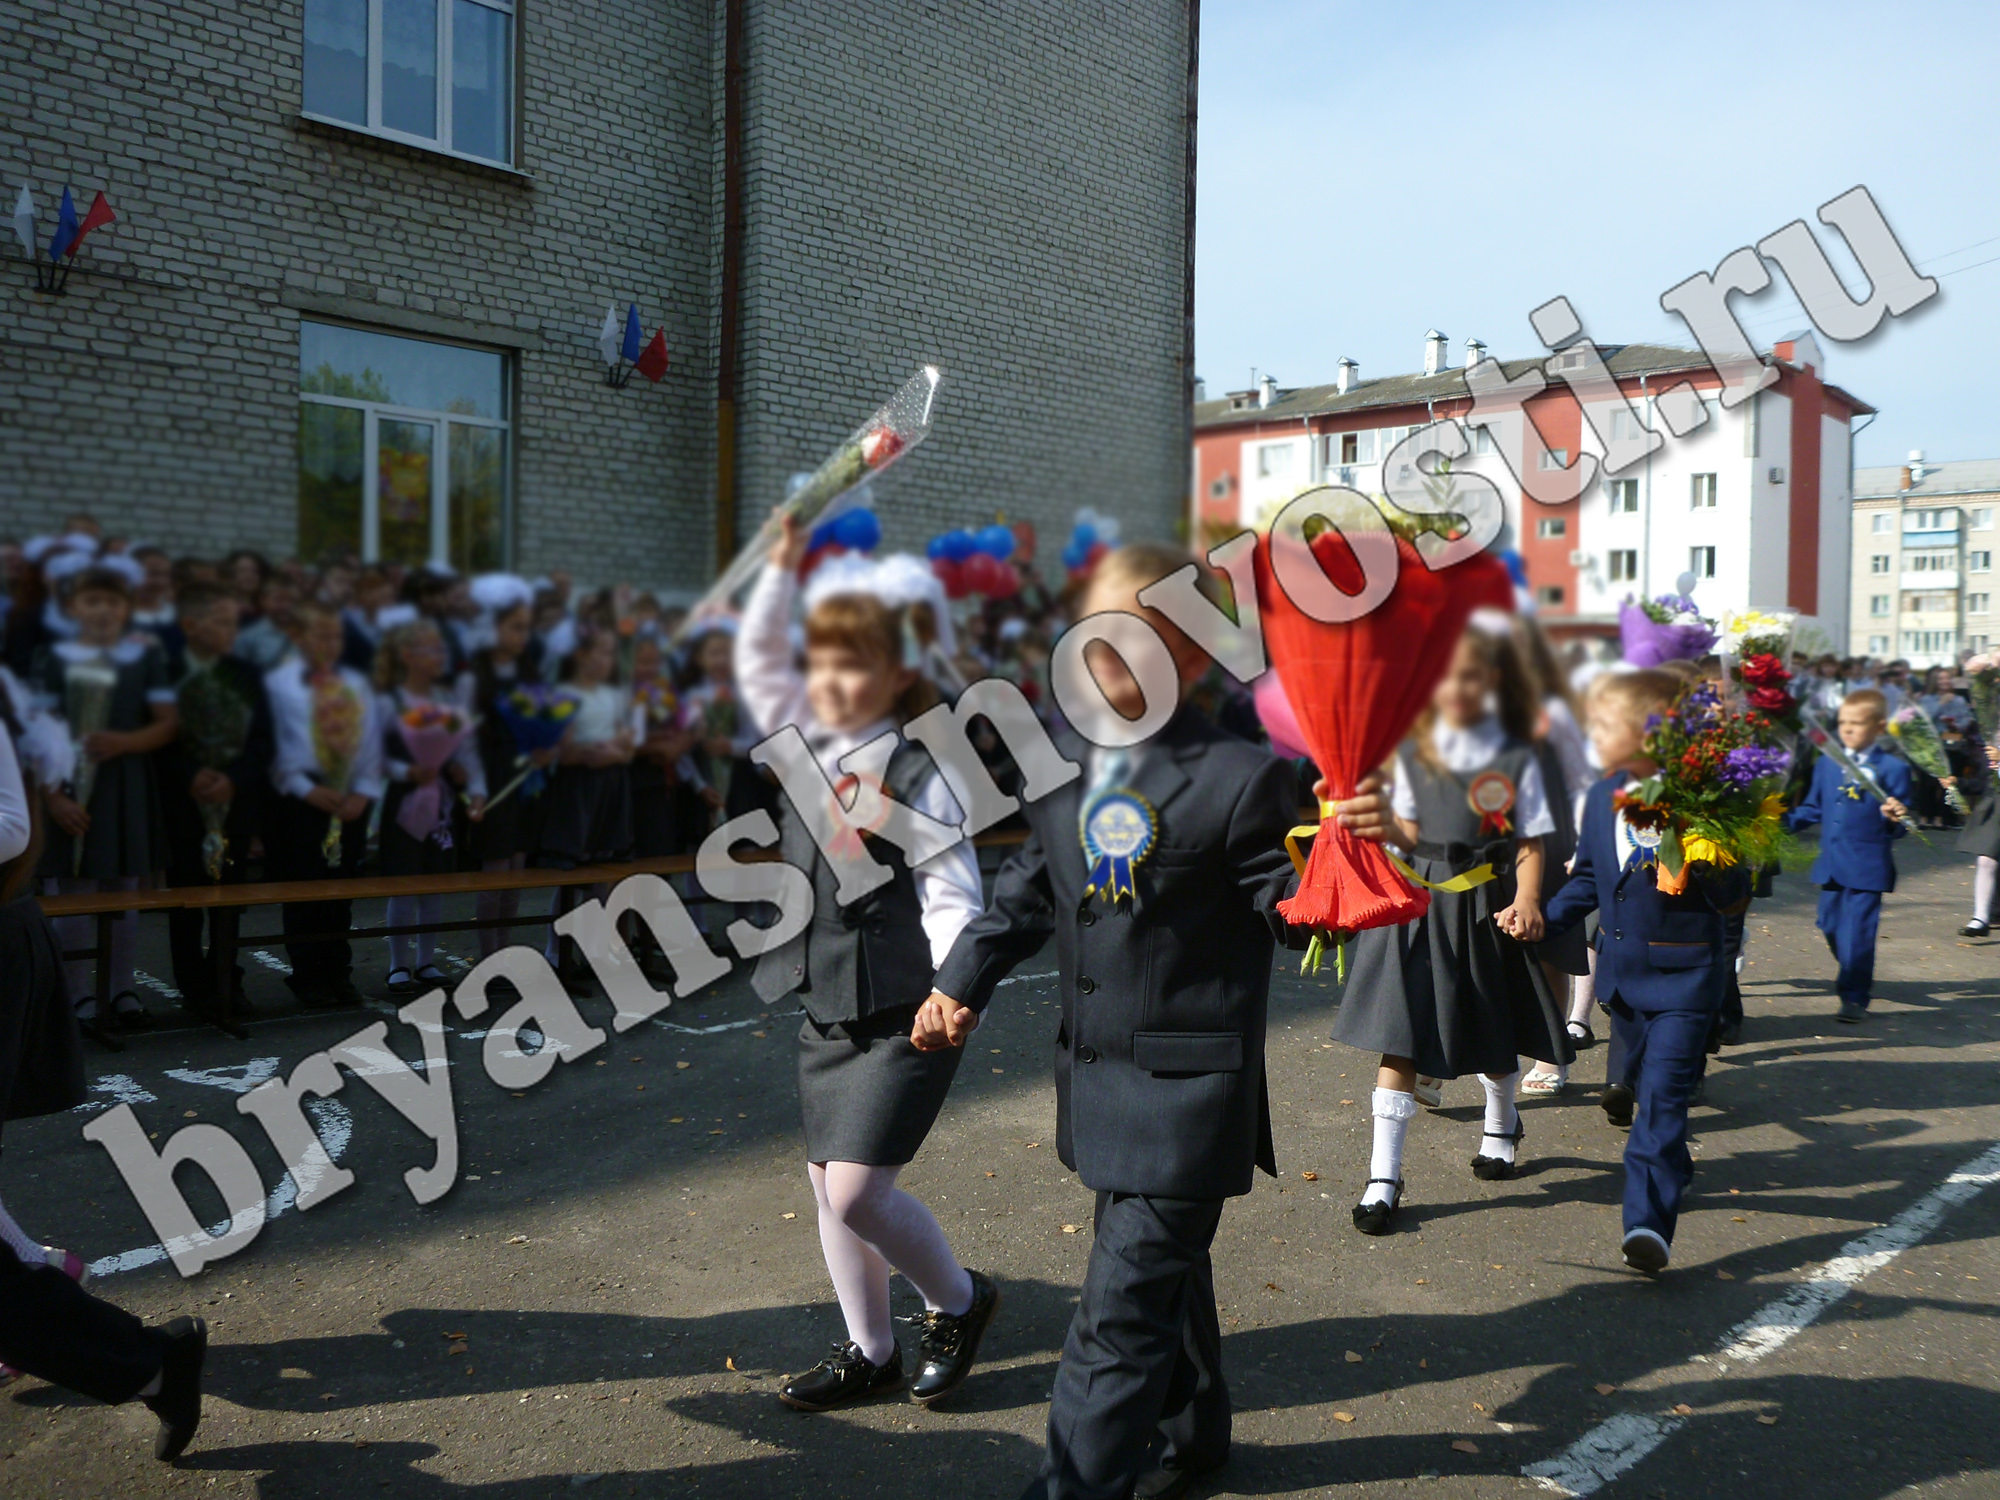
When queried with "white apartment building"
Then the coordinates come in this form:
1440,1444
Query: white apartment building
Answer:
1923,581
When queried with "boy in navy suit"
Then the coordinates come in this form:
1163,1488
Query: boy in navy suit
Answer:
1856,861
1662,961
1161,1104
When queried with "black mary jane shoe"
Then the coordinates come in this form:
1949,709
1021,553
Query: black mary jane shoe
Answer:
403,988
1974,929
951,1343
134,1018
1492,1168
1375,1218
178,1402
844,1377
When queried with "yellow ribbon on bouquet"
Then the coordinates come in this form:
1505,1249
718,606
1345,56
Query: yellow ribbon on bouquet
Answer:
1477,876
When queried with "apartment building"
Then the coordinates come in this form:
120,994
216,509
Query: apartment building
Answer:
1924,539
1754,501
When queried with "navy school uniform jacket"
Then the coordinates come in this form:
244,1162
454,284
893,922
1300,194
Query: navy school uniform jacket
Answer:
1654,951
1855,839
1160,1053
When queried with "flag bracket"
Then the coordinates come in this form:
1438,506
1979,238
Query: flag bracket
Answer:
619,376
52,275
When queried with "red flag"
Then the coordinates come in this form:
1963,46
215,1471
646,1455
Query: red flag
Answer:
652,361
1355,688
100,214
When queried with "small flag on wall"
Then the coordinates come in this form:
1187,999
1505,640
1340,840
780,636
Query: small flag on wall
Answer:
625,348
652,361
24,220
100,214
66,230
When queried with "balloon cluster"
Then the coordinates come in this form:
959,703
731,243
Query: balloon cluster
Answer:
1091,537
975,562
850,531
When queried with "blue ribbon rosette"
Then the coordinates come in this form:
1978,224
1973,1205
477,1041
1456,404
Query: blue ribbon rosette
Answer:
1119,831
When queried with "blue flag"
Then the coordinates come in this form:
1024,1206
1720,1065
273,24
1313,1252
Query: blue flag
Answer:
66,230
635,341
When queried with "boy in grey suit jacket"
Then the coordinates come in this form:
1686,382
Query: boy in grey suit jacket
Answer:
1161,1103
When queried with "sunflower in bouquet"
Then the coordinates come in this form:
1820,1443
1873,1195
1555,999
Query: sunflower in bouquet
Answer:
1715,795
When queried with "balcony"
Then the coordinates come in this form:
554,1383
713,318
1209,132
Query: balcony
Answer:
1931,538
1929,582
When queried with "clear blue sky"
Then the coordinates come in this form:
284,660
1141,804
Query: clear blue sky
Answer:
1370,172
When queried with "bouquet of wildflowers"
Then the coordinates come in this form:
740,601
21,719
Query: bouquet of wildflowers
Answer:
432,733
537,717
1918,734
1715,797
1983,674
1668,628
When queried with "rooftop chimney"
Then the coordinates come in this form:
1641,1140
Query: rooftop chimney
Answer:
1474,352
1916,469
1267,390
1434,346
1200,389
1347,375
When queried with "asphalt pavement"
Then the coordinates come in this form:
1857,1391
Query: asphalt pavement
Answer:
607,1301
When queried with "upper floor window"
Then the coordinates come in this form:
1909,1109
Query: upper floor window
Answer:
437,72
1982,518
1623,564
1625,497
1702,491
1273,460
1878,562
1555,458
1882,522
1552,526
1701,561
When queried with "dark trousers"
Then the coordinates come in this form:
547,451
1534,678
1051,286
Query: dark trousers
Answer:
53,1329
1732,952
194,964
1665,1052
1141,1374
1850,919
293,836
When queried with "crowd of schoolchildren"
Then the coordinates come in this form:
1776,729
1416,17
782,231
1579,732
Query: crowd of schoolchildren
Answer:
247,710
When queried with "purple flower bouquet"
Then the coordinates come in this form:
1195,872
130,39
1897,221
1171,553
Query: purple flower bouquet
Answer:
1652,631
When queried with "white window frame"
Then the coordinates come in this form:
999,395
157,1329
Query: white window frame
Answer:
441,142
374,413
1552,526
1701,561
1264,454
1622,564
1878,645
1979,562
1549,594
1981,519
1878,562
1878,605
1701,492
1555,458
1623,490
1978,604
1884,523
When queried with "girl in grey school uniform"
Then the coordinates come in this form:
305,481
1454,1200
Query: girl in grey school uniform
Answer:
1450,993
863,969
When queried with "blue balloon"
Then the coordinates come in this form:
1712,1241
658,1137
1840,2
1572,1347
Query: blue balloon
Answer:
936,547
820,536
959,545
1074,557
857,530
997,541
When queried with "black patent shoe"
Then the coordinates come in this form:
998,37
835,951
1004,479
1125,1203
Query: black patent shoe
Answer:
1492,1168
950,1344
1974,929
1375,1218
841,1379
1618,1102
131,1018
178,1404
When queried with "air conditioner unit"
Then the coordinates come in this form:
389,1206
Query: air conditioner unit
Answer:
1579,559
1777,475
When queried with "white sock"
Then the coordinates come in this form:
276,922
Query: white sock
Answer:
1583,994
1501,1116
1393,1110
16,1239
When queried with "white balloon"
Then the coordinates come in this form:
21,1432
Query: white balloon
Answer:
1685,584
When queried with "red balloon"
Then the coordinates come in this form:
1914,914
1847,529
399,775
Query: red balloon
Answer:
952,576
978,571
1095,554
1006,582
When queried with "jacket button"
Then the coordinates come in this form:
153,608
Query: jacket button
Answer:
1086,1054
1087,916
1086,985
1617,936
1621,895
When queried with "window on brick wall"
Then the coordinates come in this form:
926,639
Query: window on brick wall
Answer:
1551,526
1549,595
403,449
1978,604
1878,604
439,72
1878,562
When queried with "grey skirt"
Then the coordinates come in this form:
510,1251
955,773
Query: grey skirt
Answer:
867,1095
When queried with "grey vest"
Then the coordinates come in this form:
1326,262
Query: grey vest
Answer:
1451,825
853,961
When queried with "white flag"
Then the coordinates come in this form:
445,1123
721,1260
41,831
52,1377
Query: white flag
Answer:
24,220
607,336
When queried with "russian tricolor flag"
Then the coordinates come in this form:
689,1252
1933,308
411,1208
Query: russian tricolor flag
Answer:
69,232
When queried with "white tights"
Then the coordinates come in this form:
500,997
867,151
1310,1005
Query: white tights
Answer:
1583,993
81,932
413,950
17,1239
867,1227
1983,875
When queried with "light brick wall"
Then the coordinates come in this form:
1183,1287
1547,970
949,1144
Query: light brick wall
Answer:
996,188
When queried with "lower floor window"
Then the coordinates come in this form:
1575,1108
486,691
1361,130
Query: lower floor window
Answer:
1701,561
403,449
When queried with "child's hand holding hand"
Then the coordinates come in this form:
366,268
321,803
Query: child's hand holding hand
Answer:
942,1022
1522,921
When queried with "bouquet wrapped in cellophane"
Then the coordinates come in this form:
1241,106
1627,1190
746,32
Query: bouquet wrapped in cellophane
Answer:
1714,798
215,722
537,717
902,422
1983,679
1669,628
1918,734
432,733
1756,650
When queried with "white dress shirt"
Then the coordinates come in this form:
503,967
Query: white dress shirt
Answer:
949,892
295,768
1465,751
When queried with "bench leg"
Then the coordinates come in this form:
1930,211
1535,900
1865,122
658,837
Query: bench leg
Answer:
103,1029
222,923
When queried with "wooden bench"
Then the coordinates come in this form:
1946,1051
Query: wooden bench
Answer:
107,906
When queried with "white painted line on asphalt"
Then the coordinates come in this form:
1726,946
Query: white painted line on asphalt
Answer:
123,1089
146,981
725,1026
270,961
237,1078
1613,1446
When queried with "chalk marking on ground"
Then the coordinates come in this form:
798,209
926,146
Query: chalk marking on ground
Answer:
123,1089
271,961
1613,1446
159,986
336,1130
